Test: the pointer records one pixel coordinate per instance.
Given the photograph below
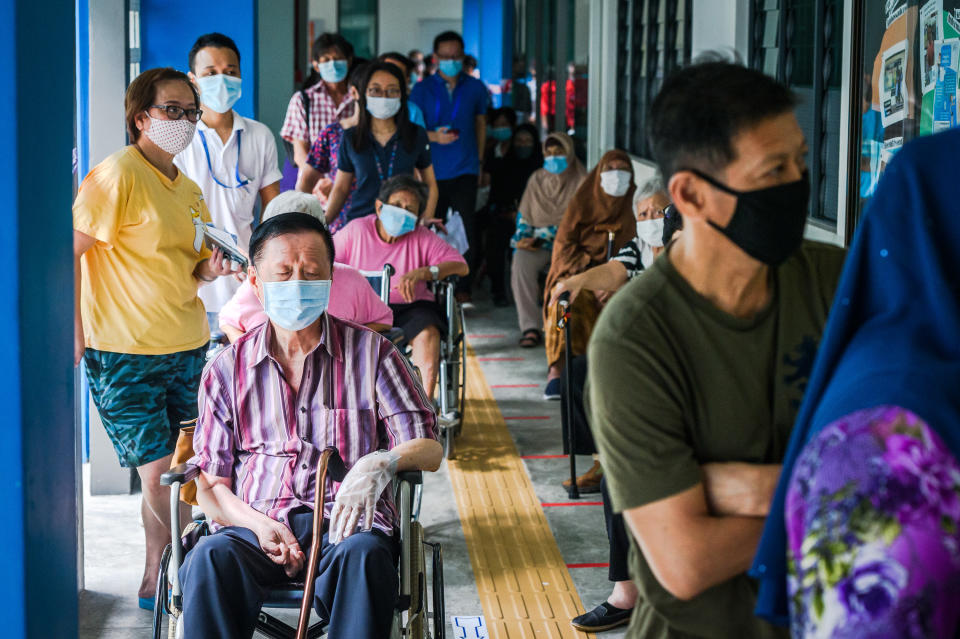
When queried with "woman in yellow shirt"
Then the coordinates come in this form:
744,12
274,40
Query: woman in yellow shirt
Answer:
139,257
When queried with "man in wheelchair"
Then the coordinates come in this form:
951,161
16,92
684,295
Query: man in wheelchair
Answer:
268,406
395,236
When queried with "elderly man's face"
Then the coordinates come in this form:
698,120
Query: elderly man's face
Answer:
652,207
293,256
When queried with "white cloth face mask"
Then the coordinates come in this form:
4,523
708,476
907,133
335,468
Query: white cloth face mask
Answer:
615,183
650,232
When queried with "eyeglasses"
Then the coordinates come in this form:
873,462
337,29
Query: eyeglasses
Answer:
175,112
377,92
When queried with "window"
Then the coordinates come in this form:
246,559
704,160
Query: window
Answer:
358,24
904,84
653,39
800,43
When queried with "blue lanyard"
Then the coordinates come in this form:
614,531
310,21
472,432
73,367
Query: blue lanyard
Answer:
393,156
240,183
457,96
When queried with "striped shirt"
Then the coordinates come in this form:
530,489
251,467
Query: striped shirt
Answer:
630,256
357,393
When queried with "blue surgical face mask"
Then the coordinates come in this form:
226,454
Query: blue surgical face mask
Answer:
219,92
333,70
500,133
295,304
555,163
450,68
383,108
397,221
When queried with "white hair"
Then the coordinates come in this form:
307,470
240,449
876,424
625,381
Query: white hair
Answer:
650,188
294,202
720,54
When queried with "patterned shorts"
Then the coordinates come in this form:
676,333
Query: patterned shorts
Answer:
143,398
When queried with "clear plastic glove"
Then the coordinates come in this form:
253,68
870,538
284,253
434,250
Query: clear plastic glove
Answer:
357,497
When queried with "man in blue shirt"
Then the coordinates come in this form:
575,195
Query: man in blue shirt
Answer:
454,107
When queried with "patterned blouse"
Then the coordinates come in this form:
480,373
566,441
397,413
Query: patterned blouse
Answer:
323,157
544,233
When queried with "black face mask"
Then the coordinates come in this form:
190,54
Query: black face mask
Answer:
767,224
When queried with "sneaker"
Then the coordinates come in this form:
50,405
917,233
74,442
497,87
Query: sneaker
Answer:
589,482
552,391
603,617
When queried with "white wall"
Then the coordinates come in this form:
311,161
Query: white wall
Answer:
715,25
400,23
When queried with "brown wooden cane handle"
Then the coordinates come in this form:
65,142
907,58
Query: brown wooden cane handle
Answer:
314,558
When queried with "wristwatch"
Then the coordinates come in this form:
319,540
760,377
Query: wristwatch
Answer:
435,273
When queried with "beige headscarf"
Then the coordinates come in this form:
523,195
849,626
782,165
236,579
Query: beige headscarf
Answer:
547,194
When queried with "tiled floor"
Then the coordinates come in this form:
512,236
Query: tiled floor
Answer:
113,534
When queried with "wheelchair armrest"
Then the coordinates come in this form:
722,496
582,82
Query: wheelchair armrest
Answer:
183,473
394,334
414,477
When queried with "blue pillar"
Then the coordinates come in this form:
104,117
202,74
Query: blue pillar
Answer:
488,34
38,563
168,28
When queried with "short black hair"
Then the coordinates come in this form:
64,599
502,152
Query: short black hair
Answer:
505,112
448,36
284,224
327,41
404,182
408,64
470,61
702,107
216,40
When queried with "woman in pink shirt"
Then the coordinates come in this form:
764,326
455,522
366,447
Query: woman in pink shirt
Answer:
395,236
351,296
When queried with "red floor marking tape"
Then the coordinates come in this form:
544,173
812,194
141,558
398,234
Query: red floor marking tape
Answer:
515,386
528,417
499,359
554,504
588,565
544,456
492,336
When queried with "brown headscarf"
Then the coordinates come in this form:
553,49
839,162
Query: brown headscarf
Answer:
579,245
547,194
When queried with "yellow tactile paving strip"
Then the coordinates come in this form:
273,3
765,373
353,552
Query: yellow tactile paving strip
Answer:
524,585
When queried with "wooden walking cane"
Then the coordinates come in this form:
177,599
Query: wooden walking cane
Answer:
329,459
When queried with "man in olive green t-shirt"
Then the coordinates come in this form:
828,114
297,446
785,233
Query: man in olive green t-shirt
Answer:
698,367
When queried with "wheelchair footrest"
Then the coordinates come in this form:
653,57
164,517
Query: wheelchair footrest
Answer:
449,420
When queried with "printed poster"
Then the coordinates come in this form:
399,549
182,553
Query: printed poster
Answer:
931,30
945,93
893,84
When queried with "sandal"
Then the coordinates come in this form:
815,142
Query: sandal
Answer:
531,338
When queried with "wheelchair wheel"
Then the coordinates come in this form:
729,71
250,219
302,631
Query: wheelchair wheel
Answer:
160,608
418,574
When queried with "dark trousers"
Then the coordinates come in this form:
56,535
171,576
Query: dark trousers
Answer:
617,536
584,445
497,230
226,576
583,438
460,194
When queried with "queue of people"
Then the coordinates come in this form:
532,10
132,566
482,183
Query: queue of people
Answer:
694,287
